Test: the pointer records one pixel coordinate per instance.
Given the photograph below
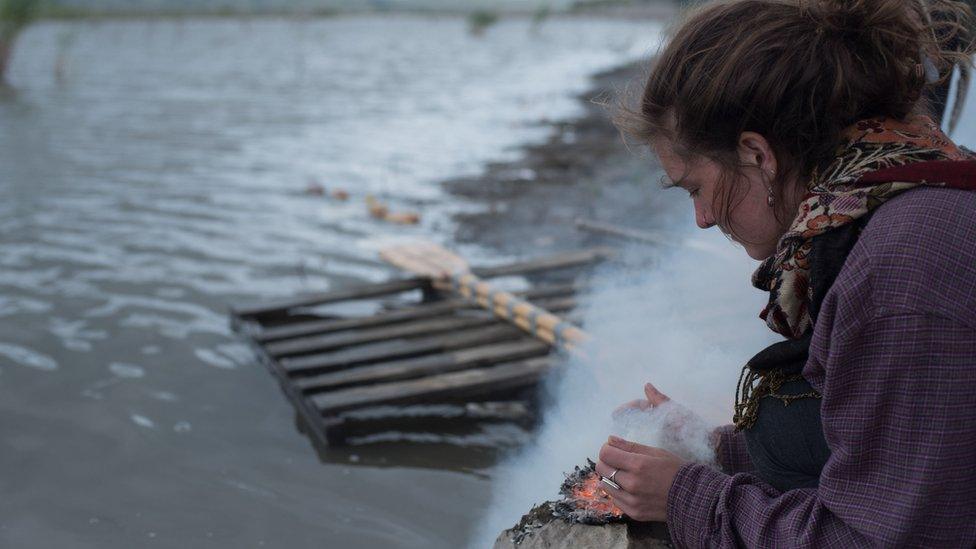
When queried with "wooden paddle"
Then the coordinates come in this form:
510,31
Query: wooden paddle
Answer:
450,272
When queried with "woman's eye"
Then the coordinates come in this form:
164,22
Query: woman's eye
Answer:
693,194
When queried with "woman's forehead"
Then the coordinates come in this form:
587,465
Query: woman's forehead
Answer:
677,168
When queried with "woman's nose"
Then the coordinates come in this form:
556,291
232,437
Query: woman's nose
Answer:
702,217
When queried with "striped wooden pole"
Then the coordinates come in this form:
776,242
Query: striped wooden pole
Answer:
533,319
451,273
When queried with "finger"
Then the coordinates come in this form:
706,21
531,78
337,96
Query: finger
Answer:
621,499
638,404
618,458
622,478
619,496
654,396
626,507
633,447
605,470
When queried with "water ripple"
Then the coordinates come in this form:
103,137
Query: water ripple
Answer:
27,357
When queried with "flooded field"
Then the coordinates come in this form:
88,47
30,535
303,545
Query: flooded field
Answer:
154,172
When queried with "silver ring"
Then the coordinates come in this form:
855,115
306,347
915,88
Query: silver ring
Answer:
613,474
610,483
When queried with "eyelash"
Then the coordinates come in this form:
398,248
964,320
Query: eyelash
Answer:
693,194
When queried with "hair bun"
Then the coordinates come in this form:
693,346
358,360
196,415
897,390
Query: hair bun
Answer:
859,16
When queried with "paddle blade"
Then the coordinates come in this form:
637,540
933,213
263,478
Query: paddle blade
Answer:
425,259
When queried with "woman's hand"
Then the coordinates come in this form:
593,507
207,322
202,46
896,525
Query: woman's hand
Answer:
654,399
644,474
678,421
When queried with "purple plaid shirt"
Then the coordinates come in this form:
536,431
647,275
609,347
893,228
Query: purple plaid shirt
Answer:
894,355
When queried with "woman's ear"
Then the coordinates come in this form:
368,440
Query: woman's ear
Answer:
754,150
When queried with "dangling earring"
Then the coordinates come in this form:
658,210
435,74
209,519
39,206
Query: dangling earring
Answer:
770,200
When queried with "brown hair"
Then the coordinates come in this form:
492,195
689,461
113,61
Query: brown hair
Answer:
795,71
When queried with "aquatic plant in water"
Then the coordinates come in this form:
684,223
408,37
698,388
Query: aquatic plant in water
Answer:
15,15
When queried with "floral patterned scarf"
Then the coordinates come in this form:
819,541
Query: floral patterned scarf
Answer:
846,190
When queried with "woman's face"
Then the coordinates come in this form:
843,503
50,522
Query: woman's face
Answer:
752,220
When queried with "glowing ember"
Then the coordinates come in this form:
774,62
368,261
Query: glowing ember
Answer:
584,499
591,496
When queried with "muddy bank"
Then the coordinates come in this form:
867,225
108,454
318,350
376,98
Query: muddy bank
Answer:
583,171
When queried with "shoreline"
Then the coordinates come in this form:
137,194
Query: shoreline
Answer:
612,9
583,170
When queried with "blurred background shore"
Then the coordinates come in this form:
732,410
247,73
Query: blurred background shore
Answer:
261,8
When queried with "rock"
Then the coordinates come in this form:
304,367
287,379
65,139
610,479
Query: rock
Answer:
402,218
559,534
314,188
539,529
376,208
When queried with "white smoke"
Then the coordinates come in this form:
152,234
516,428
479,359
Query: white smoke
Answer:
685,320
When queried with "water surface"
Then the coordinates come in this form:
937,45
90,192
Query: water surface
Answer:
154,172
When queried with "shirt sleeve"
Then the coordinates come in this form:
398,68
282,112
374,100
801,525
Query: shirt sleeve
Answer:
731,452
899,418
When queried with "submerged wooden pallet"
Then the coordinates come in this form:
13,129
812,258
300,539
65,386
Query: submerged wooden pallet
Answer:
417,353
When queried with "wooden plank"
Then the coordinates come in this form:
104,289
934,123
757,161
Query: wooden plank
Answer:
463,359
395,350
357,356
364,291
557,261
321,327
508,410
455,418
340,340
308,420
638,235
416,312
449,386
327,342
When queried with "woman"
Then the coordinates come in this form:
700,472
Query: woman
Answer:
799,128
